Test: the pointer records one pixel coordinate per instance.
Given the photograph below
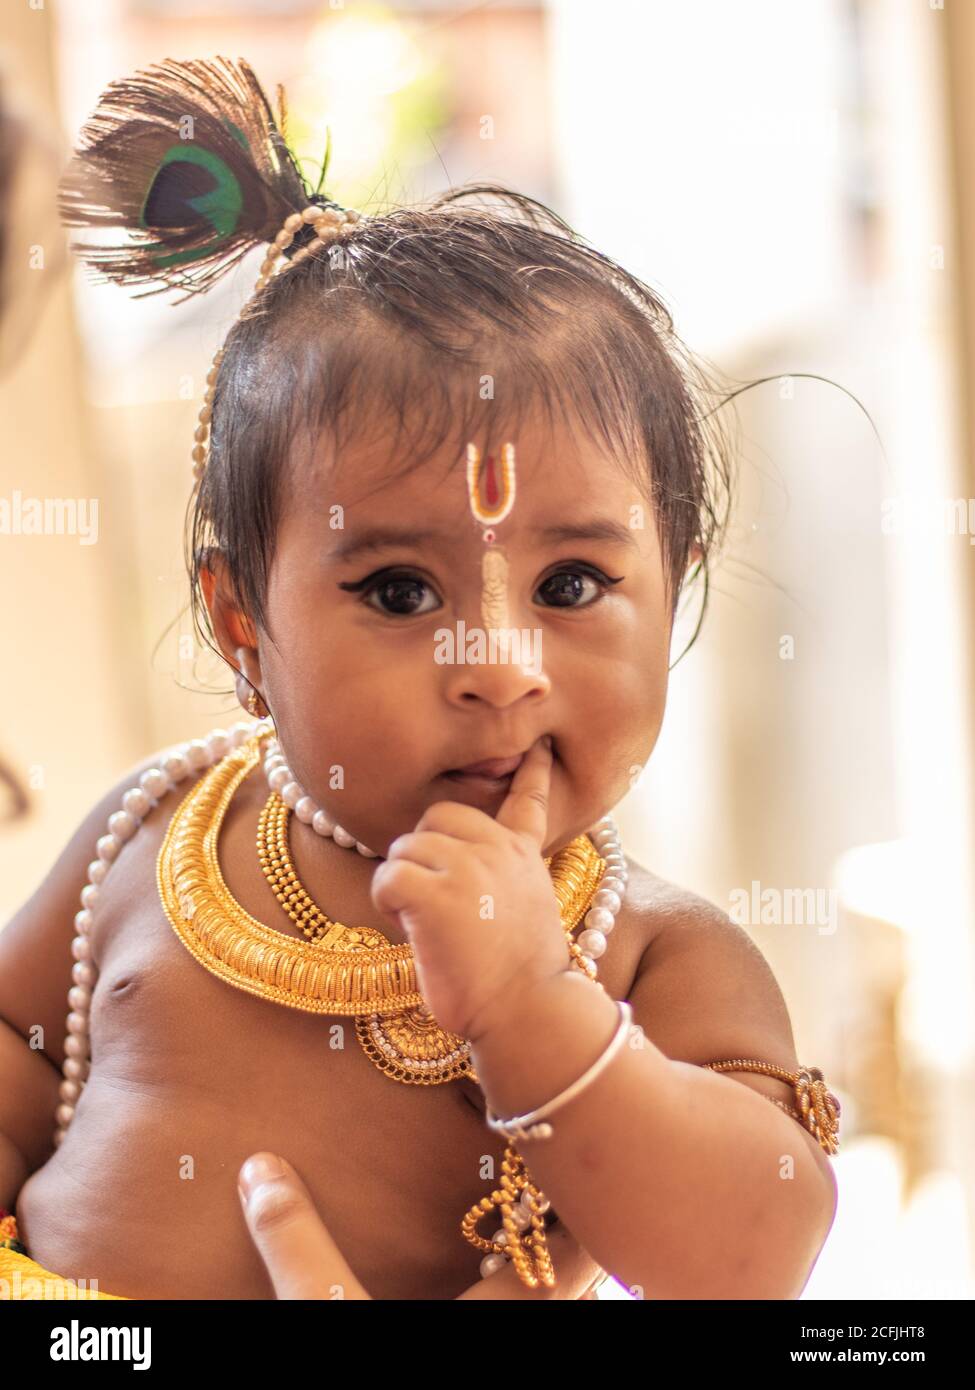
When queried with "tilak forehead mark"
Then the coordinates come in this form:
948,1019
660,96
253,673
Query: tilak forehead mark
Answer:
491,499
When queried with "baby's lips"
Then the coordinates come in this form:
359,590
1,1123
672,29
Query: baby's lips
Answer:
500,767
492,767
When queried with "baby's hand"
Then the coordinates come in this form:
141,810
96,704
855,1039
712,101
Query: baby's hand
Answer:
476,901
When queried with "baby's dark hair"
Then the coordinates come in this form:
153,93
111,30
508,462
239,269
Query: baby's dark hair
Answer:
405,319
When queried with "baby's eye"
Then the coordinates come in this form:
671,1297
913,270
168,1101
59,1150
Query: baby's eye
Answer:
565,585
401,592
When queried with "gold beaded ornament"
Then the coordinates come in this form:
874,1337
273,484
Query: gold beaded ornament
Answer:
817,1109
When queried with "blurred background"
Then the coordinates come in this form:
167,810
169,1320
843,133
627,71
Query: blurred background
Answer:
798,183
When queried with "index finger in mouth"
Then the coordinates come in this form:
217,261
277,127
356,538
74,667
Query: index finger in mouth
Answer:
525,808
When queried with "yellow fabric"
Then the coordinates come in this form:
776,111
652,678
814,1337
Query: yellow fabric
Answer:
17,1269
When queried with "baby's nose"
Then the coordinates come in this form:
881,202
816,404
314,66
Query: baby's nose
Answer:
498,666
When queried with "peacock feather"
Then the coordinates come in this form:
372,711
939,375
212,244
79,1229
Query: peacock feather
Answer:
187,158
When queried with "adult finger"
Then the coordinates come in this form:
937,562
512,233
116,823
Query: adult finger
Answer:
300,1256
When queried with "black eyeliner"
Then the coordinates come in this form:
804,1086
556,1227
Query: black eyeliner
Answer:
391,572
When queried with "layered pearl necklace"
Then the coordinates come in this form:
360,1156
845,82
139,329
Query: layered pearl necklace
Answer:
282,780
198,754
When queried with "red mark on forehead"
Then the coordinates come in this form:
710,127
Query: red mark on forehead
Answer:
491,491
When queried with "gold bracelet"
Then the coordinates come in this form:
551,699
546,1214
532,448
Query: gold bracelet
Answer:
524,1126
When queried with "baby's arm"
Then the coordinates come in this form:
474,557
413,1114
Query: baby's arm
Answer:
35,976
675,1178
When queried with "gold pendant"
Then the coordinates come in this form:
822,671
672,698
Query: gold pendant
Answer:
412,1047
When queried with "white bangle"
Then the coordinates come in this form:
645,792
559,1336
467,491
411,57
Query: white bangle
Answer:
523,1126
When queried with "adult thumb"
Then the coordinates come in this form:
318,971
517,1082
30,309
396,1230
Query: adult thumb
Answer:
299,1255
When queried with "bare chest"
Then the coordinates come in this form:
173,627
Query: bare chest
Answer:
191,1075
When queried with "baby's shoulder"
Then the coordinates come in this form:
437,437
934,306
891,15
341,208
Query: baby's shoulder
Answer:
144,803
670,915
704,981
37,945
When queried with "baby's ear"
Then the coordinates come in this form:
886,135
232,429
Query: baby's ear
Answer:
230,626
210,567
207,577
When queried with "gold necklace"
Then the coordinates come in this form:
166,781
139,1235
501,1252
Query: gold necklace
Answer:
360,974
342,970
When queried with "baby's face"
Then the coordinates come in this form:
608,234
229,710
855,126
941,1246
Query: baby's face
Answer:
372,721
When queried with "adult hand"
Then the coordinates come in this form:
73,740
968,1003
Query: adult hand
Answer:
303,1261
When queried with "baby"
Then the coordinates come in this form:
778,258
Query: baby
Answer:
377,928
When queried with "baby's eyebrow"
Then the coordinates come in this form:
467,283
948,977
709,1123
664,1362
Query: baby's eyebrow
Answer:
377,538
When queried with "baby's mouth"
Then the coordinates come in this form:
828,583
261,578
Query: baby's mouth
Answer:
490,773
478,778
492,768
